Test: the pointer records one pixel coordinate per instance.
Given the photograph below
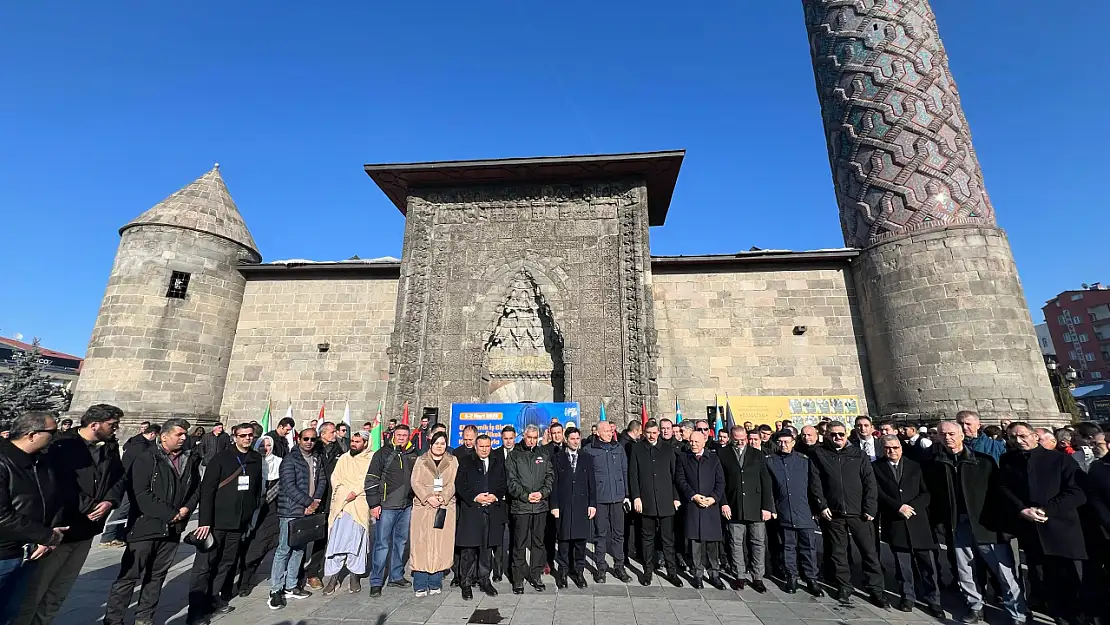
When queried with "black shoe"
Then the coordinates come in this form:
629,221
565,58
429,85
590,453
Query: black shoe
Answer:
905,605
455,582
467,593
487,588
599,577
738,584
759,586
277,600
223,609
518,589
560,580
297,593
844,597
972,617
329,588
934,610
696,583
620,574
496,578
791,586
579,580
197,620
539,586
245,591
674,579
814,589
645,579
375,591
878,599
399,583
715,581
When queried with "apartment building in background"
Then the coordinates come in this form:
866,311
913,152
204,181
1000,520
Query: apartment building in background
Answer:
1079,326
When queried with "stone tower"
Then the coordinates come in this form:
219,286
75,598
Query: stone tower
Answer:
163,337
947,326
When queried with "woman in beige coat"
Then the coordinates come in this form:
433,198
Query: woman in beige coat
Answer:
432,548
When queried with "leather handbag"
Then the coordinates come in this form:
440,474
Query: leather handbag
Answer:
307,529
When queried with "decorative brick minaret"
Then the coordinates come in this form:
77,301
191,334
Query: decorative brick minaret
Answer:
944,314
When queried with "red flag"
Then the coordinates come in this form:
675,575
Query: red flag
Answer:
320,418
643,414
405,414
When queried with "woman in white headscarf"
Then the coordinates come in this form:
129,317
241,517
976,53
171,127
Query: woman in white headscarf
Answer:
262,536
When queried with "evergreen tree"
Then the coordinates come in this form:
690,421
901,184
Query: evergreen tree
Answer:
1067,403
29,387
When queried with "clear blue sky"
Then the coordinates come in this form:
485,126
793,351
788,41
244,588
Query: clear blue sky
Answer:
105,111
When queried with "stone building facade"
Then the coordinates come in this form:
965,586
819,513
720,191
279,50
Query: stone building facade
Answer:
532,279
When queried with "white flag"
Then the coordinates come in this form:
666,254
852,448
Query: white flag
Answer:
347,416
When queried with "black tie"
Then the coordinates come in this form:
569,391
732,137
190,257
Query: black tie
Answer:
898,472
483,466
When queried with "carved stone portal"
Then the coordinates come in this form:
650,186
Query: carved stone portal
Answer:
524,350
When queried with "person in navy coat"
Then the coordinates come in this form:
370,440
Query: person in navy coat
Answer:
701,485
573,504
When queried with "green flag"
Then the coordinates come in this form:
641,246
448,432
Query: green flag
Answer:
265,422
376,431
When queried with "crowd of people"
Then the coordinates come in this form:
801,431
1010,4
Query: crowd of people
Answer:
727,508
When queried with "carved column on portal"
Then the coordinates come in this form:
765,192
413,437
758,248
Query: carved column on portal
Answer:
407,342
637,319
945,319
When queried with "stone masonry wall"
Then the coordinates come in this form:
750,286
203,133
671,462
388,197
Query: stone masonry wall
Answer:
949,329
275,356
731,330
155,356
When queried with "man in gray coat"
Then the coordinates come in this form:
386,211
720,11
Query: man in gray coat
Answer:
611,483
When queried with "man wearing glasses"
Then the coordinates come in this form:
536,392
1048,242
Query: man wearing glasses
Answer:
229,495
27,495
303,483
89,474
847,499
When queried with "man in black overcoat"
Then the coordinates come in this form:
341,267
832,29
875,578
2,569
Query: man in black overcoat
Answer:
701,484
573,506
904,524
651,483
481,486
1039,488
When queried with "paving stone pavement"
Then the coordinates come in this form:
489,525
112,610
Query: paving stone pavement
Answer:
612,603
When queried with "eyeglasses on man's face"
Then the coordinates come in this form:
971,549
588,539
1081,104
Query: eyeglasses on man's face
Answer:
247,435
308,439
837,434
702,429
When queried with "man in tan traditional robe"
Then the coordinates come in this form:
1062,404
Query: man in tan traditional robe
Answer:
349,516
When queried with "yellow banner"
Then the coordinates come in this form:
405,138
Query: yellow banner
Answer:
798,410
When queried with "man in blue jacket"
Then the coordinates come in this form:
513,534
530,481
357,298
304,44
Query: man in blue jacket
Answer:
793,485
611,483
975,439
303,484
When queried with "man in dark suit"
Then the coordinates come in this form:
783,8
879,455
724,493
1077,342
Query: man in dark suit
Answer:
651,483
747,506
1040,492
701,484
573,506
481,486
904,523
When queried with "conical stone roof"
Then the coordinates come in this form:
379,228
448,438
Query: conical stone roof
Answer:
205,206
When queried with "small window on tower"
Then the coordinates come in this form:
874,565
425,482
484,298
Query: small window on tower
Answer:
179,285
